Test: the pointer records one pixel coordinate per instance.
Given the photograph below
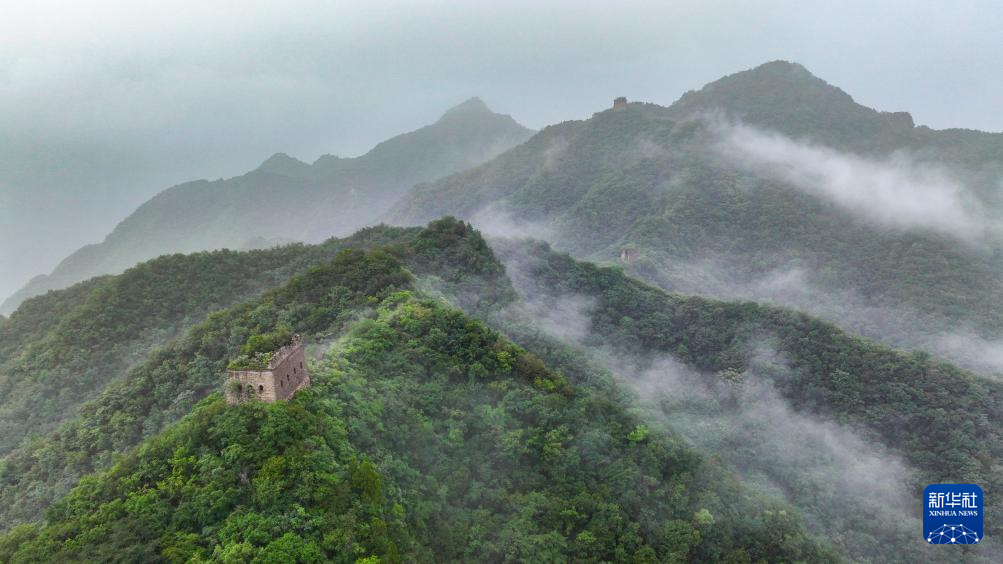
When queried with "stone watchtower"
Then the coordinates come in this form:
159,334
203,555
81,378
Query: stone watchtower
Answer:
284,374
619,103
628,254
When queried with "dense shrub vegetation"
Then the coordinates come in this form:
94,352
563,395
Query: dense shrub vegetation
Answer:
947,422
429,436
907,399
61,349
132,405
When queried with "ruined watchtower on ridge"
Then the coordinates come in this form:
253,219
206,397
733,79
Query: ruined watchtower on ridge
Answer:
619,103
278,379
628,254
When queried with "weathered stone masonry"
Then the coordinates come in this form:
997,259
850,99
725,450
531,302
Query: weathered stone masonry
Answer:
286,373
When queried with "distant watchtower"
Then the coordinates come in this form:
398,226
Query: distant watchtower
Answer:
619,103
628,254
284,374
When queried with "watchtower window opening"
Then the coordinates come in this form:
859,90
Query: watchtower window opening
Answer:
294,370
282,384
261,388
301,364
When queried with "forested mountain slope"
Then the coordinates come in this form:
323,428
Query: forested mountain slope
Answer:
769,184
785,97
61,349
287,200
745,380
426,436
128,406
586,440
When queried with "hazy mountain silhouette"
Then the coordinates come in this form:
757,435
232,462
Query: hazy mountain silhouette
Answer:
286,199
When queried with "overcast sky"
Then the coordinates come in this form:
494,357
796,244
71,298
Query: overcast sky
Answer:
104,103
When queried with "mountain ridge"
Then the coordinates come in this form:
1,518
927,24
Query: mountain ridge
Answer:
397,292
288,199
664,181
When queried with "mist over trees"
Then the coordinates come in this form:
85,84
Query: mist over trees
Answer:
749,326
795,406
769,184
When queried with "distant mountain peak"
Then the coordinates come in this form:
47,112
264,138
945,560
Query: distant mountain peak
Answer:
281,163
781,65
471,107
774,78
787,97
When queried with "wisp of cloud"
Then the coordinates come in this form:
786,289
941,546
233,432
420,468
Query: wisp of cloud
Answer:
896,192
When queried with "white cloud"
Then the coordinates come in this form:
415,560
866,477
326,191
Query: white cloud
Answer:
897,192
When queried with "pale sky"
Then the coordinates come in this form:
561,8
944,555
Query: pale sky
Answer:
105,103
